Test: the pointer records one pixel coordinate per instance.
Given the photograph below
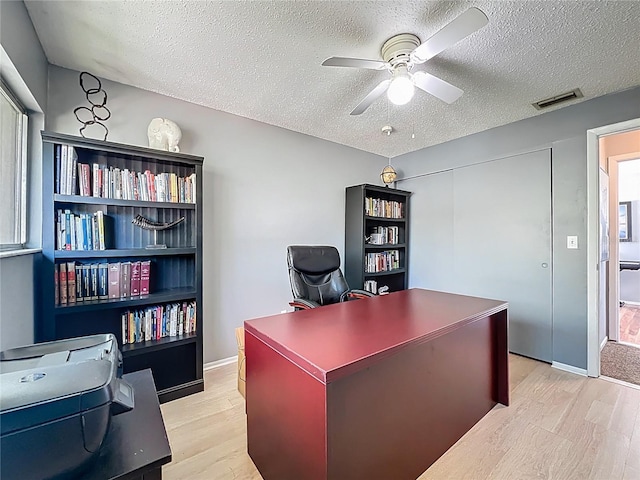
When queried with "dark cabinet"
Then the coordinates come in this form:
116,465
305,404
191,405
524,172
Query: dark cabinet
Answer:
144,285
376,238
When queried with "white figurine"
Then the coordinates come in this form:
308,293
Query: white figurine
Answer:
164,134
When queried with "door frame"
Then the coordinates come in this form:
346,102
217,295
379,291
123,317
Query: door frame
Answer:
614,260
593,210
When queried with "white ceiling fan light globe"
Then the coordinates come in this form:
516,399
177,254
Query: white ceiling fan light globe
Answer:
401,90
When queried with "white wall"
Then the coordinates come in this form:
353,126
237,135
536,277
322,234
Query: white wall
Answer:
629,191
264,188
24,68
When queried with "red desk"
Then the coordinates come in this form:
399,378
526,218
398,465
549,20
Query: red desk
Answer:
371,389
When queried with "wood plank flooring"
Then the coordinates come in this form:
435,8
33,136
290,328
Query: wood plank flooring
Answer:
559,426
630,324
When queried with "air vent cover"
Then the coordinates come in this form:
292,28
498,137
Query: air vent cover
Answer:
563,97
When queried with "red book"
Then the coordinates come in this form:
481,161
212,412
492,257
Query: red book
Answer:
135,278
114,280
63,284
125,279
71,282
145,276
56,287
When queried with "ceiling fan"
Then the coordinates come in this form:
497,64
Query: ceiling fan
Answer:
402,52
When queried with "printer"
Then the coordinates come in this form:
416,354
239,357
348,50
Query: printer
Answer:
56,402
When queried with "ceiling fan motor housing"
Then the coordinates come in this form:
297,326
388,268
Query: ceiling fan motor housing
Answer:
397,50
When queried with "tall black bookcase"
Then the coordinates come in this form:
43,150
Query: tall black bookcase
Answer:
176,271
375,261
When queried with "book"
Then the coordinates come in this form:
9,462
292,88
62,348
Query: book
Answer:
135,278
63,283
145,277
86,282
103,281
56,284
58,156
114,280
73,161
79,292
125,279
71,282
94,281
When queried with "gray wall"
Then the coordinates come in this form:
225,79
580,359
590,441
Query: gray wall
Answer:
564,131
24,68
264,188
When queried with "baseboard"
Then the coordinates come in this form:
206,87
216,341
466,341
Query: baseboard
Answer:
220,363
620,382
569,368
604,342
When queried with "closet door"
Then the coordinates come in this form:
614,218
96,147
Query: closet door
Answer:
502,243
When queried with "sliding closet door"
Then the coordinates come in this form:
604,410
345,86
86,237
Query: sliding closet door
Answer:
502,243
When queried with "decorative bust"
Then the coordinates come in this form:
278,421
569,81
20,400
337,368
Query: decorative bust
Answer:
164,135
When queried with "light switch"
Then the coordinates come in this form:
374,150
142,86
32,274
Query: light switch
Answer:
572,241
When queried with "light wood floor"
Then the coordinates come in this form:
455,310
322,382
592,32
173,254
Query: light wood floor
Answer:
559,426
630,324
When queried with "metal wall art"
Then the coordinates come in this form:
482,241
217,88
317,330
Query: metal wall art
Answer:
97,97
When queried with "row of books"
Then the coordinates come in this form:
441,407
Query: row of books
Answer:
371,286
95,180
66,168
382,261
386,235
158,321
75,282
85,231
377,207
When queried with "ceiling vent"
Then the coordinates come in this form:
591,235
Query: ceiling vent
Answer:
563,97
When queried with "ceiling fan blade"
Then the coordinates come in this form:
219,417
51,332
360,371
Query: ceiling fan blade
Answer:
371,97
355,63
437,87
461,27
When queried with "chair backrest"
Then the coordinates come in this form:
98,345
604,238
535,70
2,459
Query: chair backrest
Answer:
314,273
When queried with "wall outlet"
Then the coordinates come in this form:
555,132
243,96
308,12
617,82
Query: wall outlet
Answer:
572,241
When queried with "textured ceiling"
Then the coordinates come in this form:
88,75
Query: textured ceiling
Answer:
261,60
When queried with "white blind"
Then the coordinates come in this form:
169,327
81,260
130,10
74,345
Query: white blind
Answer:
12,171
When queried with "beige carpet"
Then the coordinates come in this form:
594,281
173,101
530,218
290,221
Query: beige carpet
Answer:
621,362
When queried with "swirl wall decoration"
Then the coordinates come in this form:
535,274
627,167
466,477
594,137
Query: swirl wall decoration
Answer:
98,112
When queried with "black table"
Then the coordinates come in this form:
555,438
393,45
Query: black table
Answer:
136,445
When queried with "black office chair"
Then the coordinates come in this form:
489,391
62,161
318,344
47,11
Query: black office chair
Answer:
316,278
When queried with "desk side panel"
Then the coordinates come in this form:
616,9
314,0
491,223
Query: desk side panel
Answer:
394,419
286,416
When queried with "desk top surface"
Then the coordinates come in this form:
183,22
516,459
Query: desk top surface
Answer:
335,340
137,440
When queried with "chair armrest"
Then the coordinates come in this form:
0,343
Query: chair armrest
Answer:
355,294
302,304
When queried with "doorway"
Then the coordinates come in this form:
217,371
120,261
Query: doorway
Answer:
597,283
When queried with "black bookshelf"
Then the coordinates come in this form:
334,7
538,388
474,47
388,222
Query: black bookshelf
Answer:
359,226
176,271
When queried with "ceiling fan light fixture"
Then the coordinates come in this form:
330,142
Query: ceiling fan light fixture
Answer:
401,89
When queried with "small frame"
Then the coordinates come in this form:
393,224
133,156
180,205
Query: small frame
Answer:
624,222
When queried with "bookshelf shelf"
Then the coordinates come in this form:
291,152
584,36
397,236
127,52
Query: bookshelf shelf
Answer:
395,271
385,246
89,223
131,349
371,209
78,199
166,296
383,219
124,252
